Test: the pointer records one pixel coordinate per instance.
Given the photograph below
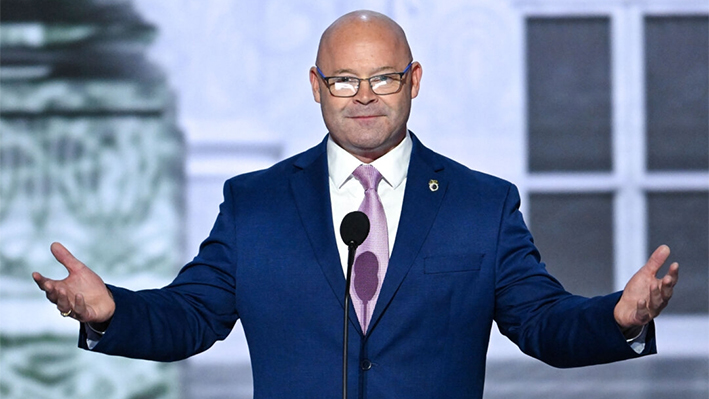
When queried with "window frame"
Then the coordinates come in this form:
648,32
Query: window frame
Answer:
629,179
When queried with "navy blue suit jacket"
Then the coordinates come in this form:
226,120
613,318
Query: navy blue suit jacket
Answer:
462,258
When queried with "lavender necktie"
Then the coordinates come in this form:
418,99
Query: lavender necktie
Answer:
372,257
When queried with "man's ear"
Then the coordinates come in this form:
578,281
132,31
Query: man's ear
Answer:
416,72
315,84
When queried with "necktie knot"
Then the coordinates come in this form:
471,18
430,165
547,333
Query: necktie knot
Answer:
368,176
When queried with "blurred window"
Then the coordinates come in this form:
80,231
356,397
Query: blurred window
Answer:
677,105
601,182
569,94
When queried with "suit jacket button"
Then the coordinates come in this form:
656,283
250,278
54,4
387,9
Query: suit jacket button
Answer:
365,365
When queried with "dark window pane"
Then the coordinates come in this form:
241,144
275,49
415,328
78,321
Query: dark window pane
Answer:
569,94
677,89
574,233
681,220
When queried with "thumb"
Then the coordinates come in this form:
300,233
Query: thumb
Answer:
65,257
657,259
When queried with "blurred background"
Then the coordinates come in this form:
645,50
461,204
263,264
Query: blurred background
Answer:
120,121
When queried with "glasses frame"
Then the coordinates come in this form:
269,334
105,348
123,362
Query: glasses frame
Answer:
326,79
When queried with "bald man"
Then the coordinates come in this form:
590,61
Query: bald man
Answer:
450,254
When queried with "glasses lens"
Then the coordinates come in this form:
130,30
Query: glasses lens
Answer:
344,87
348,87
385,84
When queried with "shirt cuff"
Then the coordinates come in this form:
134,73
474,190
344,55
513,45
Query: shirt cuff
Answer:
92,336
638,343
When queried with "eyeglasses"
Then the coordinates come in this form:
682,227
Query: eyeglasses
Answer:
348,86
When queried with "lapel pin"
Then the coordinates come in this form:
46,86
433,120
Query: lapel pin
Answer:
433,185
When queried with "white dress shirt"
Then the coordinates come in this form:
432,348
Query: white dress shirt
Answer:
346,192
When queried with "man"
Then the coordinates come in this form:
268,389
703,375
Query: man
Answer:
461,257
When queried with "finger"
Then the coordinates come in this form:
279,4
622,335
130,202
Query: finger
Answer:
80,310
46,285
666,293
642,315
65,257
669,281
657,259
656,301
673,273
52,296
62,301
40,280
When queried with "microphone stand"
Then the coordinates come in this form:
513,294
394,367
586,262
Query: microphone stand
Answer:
354,230
351,249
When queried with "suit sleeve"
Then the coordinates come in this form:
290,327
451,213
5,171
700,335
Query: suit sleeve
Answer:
544,320
189,315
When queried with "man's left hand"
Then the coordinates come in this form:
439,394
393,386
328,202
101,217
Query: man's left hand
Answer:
645,295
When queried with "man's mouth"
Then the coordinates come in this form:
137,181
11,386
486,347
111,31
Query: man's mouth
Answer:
365,116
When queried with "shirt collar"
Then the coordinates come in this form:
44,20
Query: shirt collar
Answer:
393,165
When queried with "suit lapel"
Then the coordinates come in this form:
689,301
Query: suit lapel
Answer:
419,210
310,188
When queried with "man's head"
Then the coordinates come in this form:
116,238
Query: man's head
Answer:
363,44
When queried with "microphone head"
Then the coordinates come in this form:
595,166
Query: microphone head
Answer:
354,228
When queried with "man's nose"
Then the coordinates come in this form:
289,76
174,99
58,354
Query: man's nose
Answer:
365,95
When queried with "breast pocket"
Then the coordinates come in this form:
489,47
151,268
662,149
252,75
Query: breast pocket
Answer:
452,263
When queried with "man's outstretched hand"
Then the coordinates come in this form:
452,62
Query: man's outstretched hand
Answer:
645,295
82,294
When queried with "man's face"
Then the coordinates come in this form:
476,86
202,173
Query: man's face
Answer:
366,125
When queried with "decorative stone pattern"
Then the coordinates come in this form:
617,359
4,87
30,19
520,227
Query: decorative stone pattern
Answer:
89,156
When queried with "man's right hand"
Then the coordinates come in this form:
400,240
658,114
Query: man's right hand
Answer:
82,295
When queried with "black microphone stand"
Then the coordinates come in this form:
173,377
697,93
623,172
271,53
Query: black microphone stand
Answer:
354,230
351,250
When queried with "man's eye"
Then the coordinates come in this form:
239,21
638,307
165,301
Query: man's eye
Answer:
382,79
343,80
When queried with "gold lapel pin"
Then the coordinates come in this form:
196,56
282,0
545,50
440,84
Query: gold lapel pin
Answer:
433,185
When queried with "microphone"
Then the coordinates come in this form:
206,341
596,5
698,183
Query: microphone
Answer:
353,230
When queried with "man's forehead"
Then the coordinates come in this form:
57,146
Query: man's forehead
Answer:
362,20
365,37
365,54
364,71
359,36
